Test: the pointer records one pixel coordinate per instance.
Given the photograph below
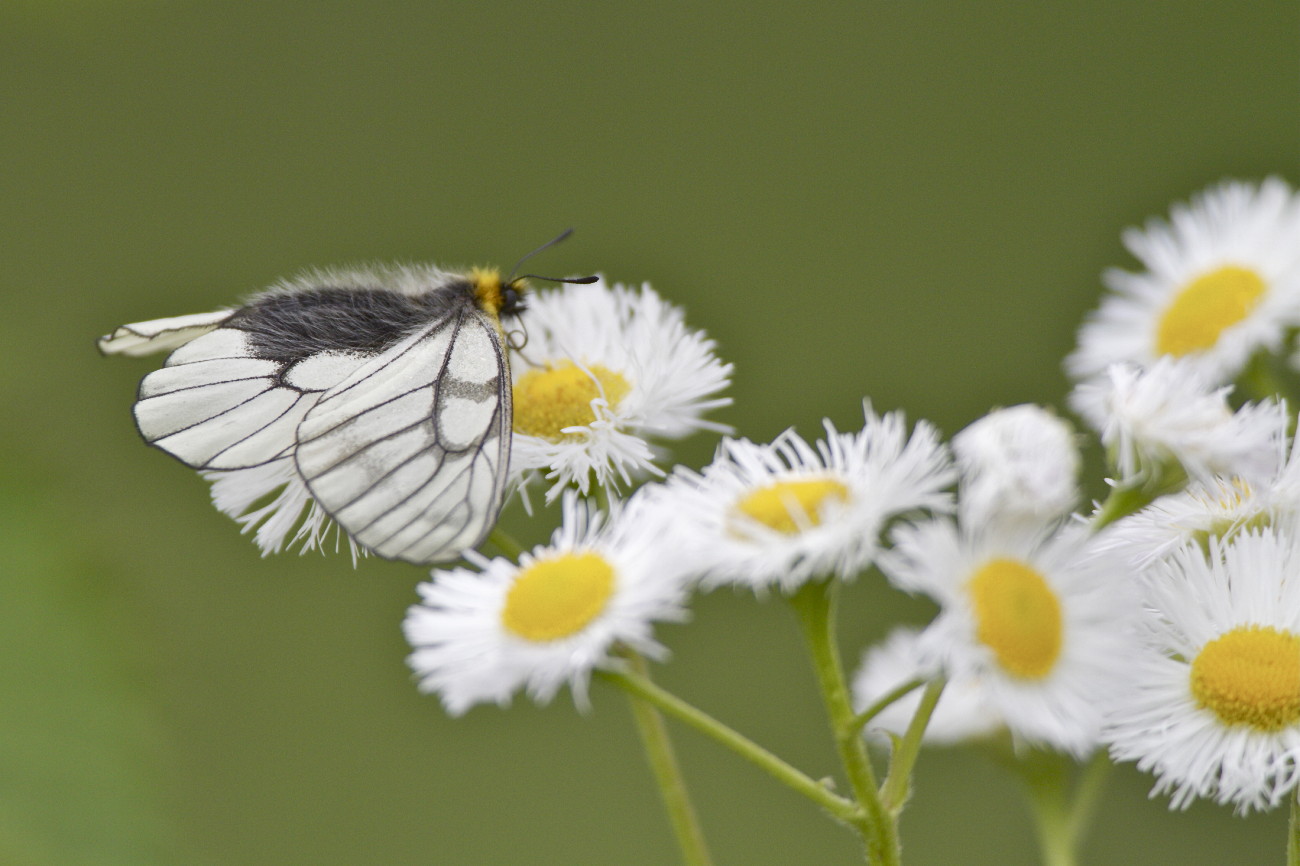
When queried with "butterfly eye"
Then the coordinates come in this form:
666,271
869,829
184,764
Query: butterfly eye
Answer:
512,298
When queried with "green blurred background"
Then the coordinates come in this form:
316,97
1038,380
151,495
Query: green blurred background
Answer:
906,200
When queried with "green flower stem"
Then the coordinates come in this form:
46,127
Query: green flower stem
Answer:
898,780
506,543
1260,380
1087,793
1045,778
1060,819
862,719
1122,502
814,603
667,772
669,704
1293,833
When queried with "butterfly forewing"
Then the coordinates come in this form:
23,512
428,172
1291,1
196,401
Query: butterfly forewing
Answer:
408,453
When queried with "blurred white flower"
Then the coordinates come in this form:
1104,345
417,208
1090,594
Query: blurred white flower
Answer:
1019,464
1036,621
1168,413
962,714
1222,281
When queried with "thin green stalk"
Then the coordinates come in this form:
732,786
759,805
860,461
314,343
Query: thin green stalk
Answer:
1293,833
899,778
505,543
1260,380
1087,794
815,605
1121,502
669,704
862,719
1046,783
668,773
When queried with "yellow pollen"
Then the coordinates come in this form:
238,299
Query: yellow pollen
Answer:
1018,616
1250,676
1206,307
791,506
551,398
558,597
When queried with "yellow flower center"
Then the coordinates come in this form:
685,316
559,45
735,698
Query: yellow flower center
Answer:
791,506
556,598
557,396
1018,616
1250,676
1206,307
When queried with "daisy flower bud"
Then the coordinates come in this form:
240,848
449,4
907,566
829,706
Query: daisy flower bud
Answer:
1020,464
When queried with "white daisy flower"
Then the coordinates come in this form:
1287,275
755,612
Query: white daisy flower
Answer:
1214,711
1037,621
1155,417
269,501
962,714
607,369
481,634
1220,507
782,513
1222,281
1018,464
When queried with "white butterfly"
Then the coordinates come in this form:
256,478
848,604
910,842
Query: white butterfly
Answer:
386,392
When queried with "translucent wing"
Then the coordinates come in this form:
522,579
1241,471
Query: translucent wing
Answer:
216,405
409,452
158,335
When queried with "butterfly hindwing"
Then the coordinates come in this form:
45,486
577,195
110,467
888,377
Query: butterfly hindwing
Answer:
408,453
216,405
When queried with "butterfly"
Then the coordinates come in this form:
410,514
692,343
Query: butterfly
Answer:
385,391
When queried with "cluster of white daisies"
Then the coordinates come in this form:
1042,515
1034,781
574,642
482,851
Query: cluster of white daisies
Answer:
1163,625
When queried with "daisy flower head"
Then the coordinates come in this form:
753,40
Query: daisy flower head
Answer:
1222,281
1151,419
962,714
781,513
1018,464
1214,709
1035,620
481,634
608,369
272,501
1219,507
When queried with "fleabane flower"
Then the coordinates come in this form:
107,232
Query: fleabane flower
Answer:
1035,620
273,502
964,711
1167,414
606,372
1222,281
1019,464
481,634
778,514
1214,711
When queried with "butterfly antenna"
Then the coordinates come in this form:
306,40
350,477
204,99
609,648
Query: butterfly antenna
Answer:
552,242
